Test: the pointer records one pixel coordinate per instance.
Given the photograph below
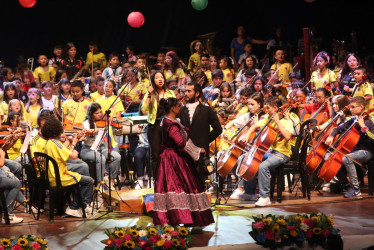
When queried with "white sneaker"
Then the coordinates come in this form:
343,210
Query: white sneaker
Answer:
13,219
35,210
74,212
90,210
212,189
262,202
236,193
106,182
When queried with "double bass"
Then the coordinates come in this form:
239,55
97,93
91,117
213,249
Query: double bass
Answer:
341,147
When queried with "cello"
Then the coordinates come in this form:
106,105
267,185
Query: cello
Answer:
319,148
228,159
341,147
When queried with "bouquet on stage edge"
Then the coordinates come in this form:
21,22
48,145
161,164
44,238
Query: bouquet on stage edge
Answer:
23,242
273,231
152,237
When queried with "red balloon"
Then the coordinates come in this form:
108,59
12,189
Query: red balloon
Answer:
135,19
27,3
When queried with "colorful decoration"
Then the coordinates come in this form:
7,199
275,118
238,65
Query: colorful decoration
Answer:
152,237
135,19
275,231
199,4
24,242
27,3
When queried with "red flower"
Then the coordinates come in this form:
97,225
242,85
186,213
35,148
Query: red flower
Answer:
306,221
128,237
309,233
326,233
174,233
183,242
152,239
167,244
142,243
109,242
118,242
16,247
269,235
290,228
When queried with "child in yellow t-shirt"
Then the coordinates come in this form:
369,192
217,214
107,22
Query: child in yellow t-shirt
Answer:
33,106
283,67
44,72
99,89
75,109
107,100
197,49
224,65
362,88
51,131
323,77
14,120
63,92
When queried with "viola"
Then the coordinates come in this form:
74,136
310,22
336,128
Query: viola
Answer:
342,146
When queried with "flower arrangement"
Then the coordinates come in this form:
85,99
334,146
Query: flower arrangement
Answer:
274,231
23,242
153,237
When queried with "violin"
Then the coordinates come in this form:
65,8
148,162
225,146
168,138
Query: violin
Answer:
114,122
341,147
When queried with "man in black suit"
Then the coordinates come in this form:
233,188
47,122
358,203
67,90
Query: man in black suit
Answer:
198,118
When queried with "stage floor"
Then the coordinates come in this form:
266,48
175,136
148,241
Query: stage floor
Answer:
354,217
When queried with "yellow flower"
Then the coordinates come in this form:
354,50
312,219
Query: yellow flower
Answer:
281,222
152,231
315,219
317,230
160,243
276,230
183,231
175,242
293,233
41,241
134,233
120,233
167,230
330,221
266,221
5,242
299,219
22,242
129,244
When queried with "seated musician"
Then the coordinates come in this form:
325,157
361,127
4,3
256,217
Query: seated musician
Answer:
280,151
132,91
363,150
242,107
95,114
322,96
51,131
99,89
224,93
211,92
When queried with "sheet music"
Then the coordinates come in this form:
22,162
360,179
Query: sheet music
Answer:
26,142
97,142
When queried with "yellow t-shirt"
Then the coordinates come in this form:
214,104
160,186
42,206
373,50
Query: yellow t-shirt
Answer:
136,93
208,74
60,154
280,144
243,110
99,58
194,62
327,79
42,75
76,109
179,74
363,91
95,96
105,103
62,101
285,69
227,75
32,115
4,110
14,151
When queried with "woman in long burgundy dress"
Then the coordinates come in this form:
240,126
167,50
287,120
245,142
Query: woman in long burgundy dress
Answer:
179,197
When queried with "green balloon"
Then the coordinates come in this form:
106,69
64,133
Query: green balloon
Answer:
199,4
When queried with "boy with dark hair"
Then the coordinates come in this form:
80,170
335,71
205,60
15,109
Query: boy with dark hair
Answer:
95,56
44,72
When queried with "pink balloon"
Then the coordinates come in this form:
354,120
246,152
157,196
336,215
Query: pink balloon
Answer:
135,19
27,3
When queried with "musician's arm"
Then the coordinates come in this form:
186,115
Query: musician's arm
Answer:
342,127
215,124
285,127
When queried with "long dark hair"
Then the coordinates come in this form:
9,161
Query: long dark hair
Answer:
92,108
168,103
174,62
342,102
60,91
221,88
346,70
153,80
7,87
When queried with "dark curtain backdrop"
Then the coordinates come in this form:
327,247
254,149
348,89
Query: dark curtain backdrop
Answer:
172,23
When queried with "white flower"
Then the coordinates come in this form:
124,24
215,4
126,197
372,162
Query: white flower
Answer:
259,216
304,227
319,214
303,214
166,237
331,216
269,218
142,233
172,229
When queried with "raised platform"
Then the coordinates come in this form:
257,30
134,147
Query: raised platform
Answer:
130,200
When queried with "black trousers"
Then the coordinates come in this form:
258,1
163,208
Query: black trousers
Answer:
155,138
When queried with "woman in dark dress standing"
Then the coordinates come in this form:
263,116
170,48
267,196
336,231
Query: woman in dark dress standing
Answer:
179,196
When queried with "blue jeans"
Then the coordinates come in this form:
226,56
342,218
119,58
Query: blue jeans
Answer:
11,186
78,166
269,163
14,167
361,156
101,155
86,188
141,159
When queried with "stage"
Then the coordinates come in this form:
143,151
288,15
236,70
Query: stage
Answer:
354,217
